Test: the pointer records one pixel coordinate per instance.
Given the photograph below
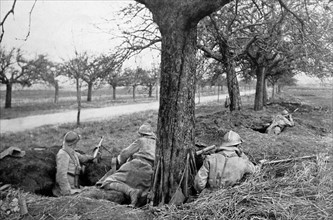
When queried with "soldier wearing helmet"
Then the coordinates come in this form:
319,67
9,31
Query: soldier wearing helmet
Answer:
225,167
69,166
133,178
279,122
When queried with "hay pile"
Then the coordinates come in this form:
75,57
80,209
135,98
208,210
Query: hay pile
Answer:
304,192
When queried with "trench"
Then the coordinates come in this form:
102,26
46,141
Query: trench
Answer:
36,171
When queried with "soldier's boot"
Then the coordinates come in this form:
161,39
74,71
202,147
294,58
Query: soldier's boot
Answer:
134,194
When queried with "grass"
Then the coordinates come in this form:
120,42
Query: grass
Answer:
301,190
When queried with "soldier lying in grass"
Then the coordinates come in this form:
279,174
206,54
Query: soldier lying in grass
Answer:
279,122
225,167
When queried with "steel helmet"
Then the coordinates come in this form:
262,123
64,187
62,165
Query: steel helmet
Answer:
284,112
146,129
231,138
71,138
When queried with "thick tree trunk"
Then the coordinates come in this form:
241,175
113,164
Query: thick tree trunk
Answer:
9,88
114,92
259,96
78,98
176,111
90,85
56,92
233,88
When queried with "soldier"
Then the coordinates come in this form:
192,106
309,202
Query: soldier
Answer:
225,167
279,122
133,178
69,166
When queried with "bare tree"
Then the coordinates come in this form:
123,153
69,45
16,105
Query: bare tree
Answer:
47,72
149,80
133,78
98,69
14,69
75,68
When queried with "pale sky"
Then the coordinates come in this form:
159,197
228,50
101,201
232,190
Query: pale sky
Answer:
57,27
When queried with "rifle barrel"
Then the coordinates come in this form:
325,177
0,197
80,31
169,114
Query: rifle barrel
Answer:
290,160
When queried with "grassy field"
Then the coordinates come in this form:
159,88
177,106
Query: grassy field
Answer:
300,190
26,102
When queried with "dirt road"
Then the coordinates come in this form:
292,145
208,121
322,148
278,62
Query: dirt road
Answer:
94,114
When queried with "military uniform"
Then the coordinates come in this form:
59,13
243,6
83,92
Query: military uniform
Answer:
225,167
136,167
279,122
68,166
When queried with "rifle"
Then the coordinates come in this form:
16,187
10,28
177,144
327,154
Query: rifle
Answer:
273,162
97,148
206,149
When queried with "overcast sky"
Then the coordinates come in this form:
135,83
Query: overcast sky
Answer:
57,27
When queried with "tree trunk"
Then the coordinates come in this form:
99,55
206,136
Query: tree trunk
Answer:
9,88
265,97
90,85
150,91
133,92
218,93
259,96
176,112
233,88
177,21
273,90
279,89
114,92
198,93
156,91
78,98
56,92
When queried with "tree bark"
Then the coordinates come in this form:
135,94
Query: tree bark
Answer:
233,87
9,89
56,92
265,97
114,92
90,85
259,96
176,112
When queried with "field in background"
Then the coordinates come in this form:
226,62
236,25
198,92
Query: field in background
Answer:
27,102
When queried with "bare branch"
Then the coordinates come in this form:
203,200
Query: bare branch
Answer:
11,11
28,34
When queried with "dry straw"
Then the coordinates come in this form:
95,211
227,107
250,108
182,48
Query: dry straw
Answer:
302,190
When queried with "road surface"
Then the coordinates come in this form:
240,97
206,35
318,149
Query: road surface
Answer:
93,114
